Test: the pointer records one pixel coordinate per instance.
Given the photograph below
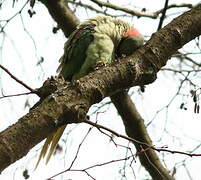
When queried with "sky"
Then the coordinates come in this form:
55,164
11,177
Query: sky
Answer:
27,40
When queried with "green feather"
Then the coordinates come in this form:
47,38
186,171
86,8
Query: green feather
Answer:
54,142
75,52
45,148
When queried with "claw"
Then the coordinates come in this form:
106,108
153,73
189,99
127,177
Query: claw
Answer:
99,64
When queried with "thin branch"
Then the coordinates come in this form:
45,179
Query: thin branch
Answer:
13,95
12,17
126,10
124,159
153,15
181,71
78,149
175,6
86,6
176,152
93,166
98,126
162,149
16,79
163,15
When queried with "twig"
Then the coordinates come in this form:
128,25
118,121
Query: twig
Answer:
93,166
136,141
12,17
78,149
13,95
86,6
126,10
98,126
163,15
175,6
180,71
16,79
175,152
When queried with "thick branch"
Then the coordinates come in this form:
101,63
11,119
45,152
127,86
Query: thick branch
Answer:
135,128
64,17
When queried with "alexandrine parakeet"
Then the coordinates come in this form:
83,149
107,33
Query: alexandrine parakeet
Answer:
99,39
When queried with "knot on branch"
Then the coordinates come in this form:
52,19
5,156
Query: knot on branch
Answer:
74,114
50,86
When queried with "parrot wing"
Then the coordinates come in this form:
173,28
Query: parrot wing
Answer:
75,51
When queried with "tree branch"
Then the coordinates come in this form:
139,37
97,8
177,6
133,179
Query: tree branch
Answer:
163,15
16,79
126,10
183,5
64,17
135,128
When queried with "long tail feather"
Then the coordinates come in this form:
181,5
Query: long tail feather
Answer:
54,141
44,149
51,142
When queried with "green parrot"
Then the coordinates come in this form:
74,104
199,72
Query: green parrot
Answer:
99,39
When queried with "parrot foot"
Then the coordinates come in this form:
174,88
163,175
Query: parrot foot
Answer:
59,78
117,58
75,82
99,64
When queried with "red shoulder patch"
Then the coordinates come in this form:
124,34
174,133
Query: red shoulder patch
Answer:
132,32
78,33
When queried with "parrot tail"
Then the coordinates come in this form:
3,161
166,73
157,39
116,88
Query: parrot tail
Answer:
51,142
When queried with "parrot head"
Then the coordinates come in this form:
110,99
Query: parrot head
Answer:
130,42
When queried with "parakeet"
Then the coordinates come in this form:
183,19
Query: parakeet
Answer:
99,39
